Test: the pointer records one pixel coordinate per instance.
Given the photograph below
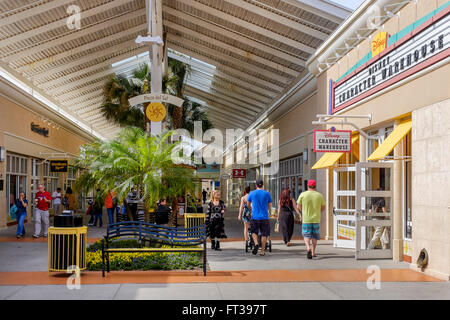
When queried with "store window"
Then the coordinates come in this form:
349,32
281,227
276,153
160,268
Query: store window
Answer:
290,176
51,179
71,177
16,181
382,134
35,177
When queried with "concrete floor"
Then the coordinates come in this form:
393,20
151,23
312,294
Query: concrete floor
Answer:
234,291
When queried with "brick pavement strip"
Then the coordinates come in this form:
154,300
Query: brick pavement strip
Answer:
117,277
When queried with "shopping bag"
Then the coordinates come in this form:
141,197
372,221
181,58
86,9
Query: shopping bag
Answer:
277,227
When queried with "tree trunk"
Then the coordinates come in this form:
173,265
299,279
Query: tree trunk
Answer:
174,213
177,117
127,208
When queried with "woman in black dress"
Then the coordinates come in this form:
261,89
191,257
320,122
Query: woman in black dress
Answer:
214,220
286,207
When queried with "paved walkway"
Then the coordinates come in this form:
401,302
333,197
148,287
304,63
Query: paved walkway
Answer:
284,273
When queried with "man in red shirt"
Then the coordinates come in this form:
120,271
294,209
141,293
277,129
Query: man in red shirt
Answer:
42,201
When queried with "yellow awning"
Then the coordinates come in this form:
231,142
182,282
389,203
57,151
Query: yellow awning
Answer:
392,140
330,158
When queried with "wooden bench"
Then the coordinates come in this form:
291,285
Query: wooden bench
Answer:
143,232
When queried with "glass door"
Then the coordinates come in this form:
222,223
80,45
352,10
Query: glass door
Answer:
374,184
343,209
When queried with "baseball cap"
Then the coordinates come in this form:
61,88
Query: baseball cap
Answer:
311,183
259,183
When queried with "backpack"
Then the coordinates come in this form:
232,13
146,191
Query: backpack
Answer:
65,202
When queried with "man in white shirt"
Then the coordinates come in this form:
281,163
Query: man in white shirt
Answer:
56,196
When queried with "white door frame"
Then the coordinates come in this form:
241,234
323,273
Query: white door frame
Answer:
337,211
361,251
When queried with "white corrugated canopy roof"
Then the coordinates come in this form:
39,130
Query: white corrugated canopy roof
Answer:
242,54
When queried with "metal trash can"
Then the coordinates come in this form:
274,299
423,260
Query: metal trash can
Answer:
67,221
66,247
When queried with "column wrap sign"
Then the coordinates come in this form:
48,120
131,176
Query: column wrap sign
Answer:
329,141
417,50
156,111
156,97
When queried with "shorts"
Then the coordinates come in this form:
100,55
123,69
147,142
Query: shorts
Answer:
260,226
311,230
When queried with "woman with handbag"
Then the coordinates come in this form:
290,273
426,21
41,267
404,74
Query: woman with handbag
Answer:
21,214
286,207
215,221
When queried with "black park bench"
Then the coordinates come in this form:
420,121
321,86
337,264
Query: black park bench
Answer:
147,232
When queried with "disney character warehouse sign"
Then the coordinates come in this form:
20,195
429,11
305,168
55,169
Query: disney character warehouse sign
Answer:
423,47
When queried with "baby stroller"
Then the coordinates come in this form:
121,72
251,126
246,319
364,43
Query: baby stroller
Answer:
249,244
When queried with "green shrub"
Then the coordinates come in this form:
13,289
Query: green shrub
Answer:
142,261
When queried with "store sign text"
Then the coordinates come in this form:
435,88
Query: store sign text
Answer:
59,165
328,141
408,56
38,129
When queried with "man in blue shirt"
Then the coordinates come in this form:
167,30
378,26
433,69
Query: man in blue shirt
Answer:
260,203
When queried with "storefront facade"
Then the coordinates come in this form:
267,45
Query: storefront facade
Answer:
31,134
292,118
399,76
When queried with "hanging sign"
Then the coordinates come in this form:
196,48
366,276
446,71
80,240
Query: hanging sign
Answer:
239,173
329,141
156,97
419,49
59,165
155,111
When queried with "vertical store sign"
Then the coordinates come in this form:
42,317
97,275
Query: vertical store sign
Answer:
419,49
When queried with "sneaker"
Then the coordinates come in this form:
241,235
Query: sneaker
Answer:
255,249
45,236
35,236
309,254
18,237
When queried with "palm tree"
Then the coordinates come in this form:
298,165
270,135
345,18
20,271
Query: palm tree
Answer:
134,160
118,89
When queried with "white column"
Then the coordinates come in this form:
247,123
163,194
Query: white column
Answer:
154,20
397,247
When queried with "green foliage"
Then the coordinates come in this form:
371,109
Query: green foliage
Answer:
134,160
